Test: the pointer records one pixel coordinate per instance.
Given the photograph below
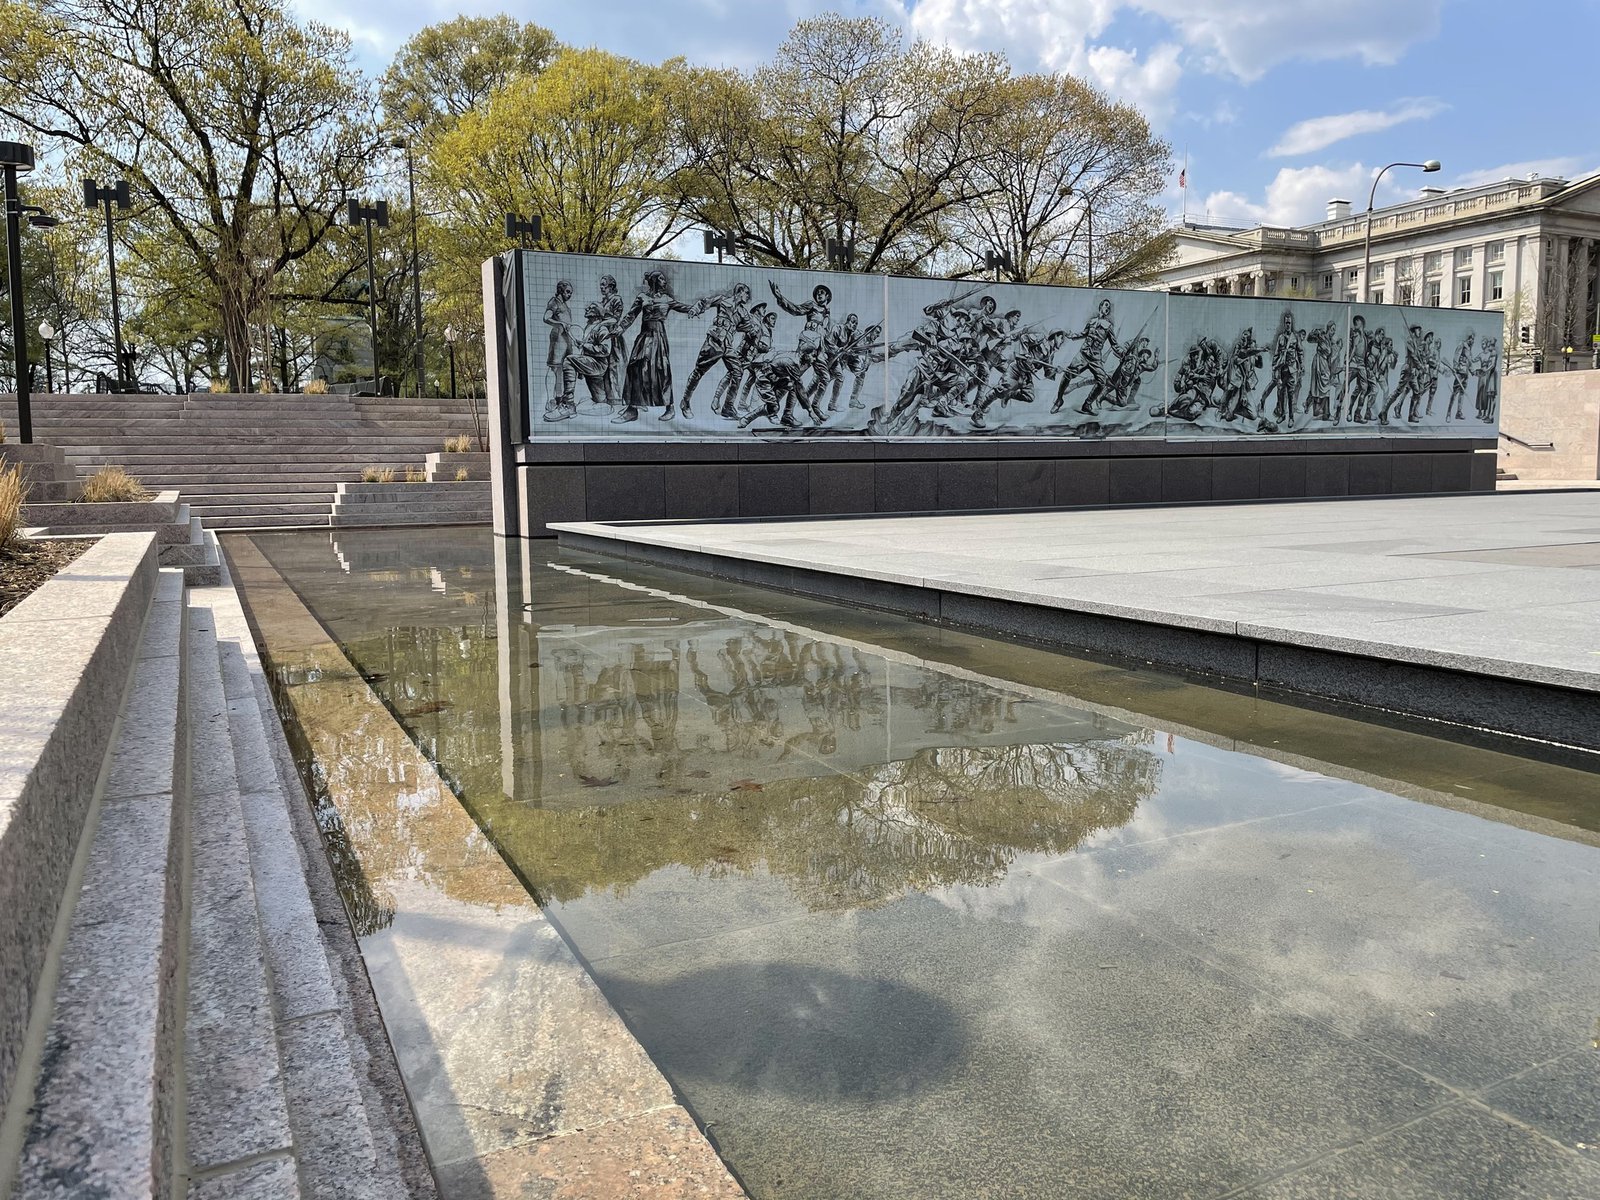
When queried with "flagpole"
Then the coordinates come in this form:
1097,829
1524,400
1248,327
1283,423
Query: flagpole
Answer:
1185,185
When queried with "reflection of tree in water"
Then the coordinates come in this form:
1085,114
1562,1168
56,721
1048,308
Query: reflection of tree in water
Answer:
952,815
381,825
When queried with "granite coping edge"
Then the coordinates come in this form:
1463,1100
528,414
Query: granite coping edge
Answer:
260,642
57,733
1514,670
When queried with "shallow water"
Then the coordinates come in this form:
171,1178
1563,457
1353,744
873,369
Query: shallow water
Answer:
902,912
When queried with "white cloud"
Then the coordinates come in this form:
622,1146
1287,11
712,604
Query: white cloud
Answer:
1570,167
1246,38
1147,85
1318,133
1299,196
1059,36
1243,38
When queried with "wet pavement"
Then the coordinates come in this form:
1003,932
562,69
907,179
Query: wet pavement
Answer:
901,912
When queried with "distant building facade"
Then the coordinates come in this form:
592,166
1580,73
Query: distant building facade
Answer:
1528,248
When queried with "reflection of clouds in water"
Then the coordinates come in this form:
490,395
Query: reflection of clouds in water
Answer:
1335,922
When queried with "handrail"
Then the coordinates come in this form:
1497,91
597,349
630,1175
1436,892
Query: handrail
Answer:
1511,437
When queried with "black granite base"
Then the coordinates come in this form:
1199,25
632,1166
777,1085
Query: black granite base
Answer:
1456,699
709,481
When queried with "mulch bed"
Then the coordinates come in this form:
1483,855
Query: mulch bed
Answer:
25,565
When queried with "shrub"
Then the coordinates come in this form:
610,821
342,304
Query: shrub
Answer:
219,387
460,444
315,387
110,484
377,474
461,474
2,433
13,491
416,475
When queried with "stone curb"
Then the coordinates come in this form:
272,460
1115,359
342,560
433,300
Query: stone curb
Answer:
66,654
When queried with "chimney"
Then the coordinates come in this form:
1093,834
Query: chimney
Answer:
1428,193
1338,210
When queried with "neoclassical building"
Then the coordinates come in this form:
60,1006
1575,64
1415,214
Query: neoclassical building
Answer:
1529,248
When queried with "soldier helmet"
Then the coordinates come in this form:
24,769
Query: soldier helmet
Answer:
822,293
591,311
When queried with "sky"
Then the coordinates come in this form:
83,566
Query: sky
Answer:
1277,105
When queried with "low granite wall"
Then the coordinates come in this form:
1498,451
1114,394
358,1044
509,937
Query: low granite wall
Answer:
65,657
1550,425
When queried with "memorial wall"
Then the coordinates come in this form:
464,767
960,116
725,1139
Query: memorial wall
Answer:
633,389
618,349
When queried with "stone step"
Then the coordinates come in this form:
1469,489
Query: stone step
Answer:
296,521
336,1152
192,491
238,1115
105,1112
228,509
396,517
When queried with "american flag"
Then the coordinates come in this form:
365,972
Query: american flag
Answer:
1183,178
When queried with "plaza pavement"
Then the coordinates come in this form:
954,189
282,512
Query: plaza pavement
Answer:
1505,587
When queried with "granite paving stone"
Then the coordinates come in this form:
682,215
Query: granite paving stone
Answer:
1427,1160
1560,1099
1513,571
274,1179
658,1155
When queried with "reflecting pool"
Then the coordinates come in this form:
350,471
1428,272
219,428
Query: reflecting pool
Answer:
903,912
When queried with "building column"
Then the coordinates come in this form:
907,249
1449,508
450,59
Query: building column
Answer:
1259,283
1557,280
1578,296
1480,275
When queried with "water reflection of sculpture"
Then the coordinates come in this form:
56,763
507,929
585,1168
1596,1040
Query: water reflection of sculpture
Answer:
622,694
955,815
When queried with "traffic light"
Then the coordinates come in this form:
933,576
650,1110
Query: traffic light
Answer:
1527,334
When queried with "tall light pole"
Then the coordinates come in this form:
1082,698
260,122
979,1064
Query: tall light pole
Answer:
47,333
370,215
450,344
1088,228
1427,168
416,257
97,197
16,158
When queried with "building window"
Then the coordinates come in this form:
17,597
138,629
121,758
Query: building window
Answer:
1464,257
1377,272
1352,275
1402,269
1434,291
1327,281
1495,251
1497,285
1294,281
1406,296
1377,296
1464,291
1433,261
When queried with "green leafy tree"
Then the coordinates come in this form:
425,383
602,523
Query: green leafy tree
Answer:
241,130
449,69
847,135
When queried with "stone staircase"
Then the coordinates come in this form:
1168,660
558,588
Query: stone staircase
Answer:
201,1039
245,461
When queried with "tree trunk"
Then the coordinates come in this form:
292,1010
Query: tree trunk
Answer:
236,336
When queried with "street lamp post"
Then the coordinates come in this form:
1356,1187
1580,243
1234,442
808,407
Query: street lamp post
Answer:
370,215
450,336
1427,168
416,257
97,197
1088,228
47,333
16,158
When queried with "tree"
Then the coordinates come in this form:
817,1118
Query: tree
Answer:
240,130
449,69
1061,161
846,136
585,144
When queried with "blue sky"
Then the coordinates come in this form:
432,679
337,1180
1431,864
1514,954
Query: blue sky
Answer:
1280,104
